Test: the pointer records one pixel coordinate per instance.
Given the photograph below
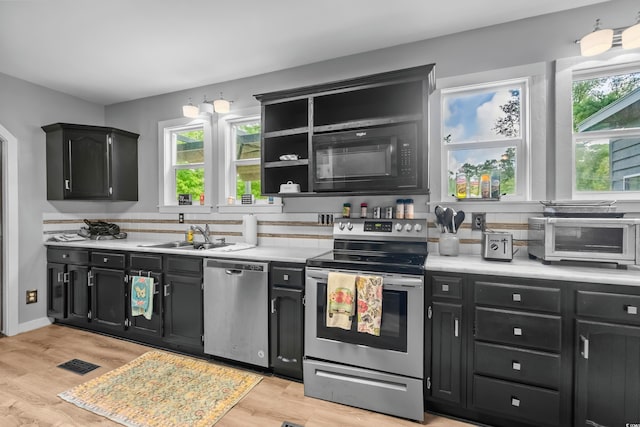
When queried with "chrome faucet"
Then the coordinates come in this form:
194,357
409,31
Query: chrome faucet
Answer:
205,232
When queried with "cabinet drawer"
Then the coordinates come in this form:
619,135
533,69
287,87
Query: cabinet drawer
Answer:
541,331
535,405
110,260
517,296
67,256
528,366
287,276
615,307
449,287
145,262
183,264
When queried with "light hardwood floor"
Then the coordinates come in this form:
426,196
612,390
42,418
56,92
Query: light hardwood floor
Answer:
30,381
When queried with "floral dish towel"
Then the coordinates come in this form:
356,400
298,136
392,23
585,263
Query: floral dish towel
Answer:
369,291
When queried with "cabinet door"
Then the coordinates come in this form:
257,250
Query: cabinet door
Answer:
446,352
108,298
78,292
607,374
140,324
287,329
183,313
56,291
86,164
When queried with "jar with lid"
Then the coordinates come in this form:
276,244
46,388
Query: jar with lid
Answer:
400,209
363,210
408,209
346,210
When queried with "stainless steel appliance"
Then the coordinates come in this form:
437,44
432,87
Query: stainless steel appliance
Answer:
611,240
382,373
236,319
372,159
497,246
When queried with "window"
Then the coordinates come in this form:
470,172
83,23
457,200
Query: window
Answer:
484,131
243,152
606,130
186,158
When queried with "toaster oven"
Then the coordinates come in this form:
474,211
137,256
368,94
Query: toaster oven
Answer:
610,240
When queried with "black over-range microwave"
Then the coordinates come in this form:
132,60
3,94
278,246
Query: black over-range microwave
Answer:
376,159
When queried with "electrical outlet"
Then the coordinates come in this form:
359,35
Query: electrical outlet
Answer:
181,218
478,221
32,296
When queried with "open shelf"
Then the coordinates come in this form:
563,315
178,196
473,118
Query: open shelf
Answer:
286,115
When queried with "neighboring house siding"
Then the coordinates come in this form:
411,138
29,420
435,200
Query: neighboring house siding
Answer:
625,161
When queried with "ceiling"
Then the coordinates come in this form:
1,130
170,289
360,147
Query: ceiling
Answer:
110,51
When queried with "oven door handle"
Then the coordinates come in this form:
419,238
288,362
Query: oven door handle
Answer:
388,282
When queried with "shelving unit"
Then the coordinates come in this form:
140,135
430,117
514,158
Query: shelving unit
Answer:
292,117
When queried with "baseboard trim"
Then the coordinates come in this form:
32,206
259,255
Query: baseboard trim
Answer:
33,324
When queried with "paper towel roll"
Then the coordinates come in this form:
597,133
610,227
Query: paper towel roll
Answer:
250,229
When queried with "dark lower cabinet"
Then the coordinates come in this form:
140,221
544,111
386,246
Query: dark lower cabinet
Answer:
446,352
607,374
183,311
67,285
287,319
139,324
108,298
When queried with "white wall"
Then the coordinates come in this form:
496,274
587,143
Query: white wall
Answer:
25,107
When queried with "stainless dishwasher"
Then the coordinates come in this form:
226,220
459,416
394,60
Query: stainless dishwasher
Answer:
236,318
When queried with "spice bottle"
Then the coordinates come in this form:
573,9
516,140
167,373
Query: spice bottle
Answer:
400,209
461,185
408,209
474,186
363,210
485,185
346,210
495,184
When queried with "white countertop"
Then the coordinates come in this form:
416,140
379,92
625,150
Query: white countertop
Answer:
262,253
524,267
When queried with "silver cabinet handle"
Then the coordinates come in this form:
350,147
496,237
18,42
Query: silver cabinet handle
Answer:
515,365
631,309
65,256
67,182
285,278
445,288
585,347
456,327
166,290
105,259
273,305
60,279
286,360
65,277
515,402
517,332
516,297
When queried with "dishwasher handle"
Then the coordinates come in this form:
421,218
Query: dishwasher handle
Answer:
232,272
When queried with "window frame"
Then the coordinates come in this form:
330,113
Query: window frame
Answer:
166,170
566,68
521,143
227,174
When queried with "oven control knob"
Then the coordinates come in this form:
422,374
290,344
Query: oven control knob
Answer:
341,225
398,227
349,226
417,227
407,227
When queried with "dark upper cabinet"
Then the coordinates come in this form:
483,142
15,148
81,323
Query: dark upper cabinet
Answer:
91,162
291,118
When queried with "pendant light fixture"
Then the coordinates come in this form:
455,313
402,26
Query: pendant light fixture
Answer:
601,40
206,108
631,36
596,42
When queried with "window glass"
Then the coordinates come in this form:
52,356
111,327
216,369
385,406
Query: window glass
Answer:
606,131
482,114
245,173
188,147
190,181
484,139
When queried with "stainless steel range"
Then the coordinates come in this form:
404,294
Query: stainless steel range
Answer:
382,373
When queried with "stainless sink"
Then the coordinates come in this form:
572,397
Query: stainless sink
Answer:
187,245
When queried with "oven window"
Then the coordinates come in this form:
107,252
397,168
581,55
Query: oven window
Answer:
393,327
589,239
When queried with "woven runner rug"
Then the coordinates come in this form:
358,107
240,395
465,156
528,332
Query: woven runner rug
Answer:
163,389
